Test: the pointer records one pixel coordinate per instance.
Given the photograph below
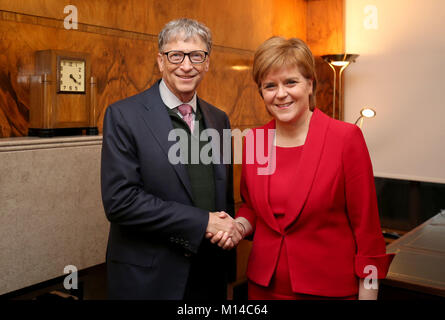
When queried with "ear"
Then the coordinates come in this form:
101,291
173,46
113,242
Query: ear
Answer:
311,86
207,64
160,60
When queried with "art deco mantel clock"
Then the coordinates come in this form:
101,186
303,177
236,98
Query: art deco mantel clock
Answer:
63,95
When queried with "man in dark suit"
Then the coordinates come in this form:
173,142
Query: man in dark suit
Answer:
160,210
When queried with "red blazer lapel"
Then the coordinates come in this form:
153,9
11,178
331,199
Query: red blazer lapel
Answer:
307,168
262,148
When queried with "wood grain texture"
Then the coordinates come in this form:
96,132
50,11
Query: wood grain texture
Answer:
325,26
325,86
122,40
229,86
122,67
325,35
236,24
116,63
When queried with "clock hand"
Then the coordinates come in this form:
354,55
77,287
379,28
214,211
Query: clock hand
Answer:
72,77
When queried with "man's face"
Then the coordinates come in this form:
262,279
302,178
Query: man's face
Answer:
182,79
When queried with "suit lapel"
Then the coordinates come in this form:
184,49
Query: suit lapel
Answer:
262,180
309,162
159,123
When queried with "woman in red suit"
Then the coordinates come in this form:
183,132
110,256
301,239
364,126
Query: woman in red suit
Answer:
314,217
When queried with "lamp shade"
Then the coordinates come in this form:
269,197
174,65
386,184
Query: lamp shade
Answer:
367,112
338,63
340,59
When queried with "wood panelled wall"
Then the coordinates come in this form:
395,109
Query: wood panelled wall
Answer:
121,37
325,35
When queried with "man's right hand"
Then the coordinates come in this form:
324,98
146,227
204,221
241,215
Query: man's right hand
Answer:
220,223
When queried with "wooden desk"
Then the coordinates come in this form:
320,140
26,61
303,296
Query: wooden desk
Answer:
419,265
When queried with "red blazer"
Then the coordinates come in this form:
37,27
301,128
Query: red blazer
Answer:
332,228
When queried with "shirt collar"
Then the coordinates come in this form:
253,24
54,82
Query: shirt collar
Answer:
172,101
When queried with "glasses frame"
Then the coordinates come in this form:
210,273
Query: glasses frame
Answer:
187,54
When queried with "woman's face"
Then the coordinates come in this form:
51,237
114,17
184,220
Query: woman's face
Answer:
286,94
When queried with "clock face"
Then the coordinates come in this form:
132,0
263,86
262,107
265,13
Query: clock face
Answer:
71,75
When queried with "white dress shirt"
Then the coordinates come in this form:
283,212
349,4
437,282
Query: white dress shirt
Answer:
172,101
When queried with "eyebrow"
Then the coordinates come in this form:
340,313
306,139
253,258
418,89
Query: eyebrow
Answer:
287,79
293,78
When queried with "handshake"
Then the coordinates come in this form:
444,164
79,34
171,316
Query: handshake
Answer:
226,231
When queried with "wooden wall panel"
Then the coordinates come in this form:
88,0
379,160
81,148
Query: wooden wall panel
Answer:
236,24
325,86
116,63
325,35
122,67
325,26
285,22
122,37
229,85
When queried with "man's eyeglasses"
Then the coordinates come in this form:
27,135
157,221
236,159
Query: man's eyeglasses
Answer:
176,57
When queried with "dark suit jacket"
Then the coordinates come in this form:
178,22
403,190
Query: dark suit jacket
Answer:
332,228
155,230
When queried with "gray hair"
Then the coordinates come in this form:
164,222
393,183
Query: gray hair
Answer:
187,29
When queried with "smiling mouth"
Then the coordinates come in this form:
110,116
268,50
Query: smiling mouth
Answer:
283,105
185,77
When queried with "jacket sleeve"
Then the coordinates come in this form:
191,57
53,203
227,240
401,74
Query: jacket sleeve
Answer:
246,210
125,201
362,209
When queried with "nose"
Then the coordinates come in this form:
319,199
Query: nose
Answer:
186,64
281,92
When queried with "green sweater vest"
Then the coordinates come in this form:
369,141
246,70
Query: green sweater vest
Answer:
201,175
